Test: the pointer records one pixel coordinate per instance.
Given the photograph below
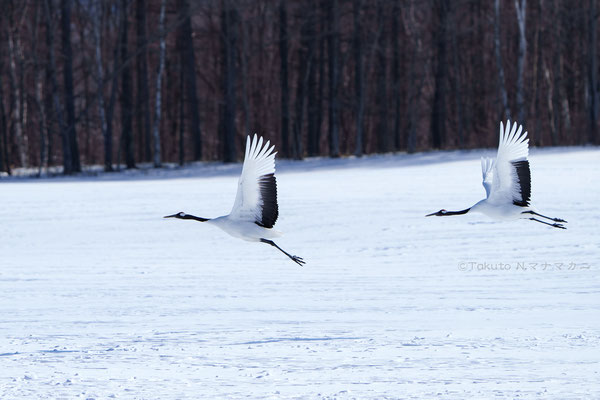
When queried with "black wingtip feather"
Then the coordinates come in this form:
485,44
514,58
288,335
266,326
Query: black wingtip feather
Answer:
268,193
524,176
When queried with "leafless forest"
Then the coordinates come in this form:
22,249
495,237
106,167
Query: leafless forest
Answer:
123,82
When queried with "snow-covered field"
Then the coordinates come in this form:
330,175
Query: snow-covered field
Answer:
101,298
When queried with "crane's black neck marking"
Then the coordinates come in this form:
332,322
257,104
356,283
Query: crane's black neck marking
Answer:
455,212
182,215
187,216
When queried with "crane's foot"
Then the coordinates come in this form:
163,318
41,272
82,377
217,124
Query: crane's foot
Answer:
560,226
298,260
558,220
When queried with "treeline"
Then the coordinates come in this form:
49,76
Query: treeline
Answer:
120,82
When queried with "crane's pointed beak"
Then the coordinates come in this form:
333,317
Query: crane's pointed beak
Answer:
170,216
429,215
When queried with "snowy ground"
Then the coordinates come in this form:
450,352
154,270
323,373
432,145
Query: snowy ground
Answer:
102,298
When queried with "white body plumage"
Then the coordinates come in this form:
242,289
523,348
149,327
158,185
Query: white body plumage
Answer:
245,230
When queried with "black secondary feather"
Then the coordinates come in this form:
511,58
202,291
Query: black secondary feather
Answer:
268,192
524,181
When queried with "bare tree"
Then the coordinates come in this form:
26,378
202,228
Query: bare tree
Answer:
381,96
314,146
396,75
229,26
284,77
521,9
96,12
457,81
4,158
415,80
15,71
359,80
142,105
312,128
334,77
126,98
189,71
305,60
438,112
497,50
65,9
39,72
593,74
159,74
66,142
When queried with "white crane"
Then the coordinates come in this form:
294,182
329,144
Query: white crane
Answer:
255,209
507,181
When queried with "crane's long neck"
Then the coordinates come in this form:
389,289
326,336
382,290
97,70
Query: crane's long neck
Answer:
456,212
188,216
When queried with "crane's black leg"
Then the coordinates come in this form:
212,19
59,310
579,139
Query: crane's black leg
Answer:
543,216
296,259
547,223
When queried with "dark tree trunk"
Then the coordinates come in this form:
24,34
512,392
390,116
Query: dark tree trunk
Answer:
457,82
142,105
66,143
4,159
334,76
593,74
537,77
105,120
48,106
39,95
181,115
521,8
311,95
229,26
321,83
245,78
499,64
17,93
283,77
554,95
65,10
381,98
126,95
396,76
438,115
305,55
189,70
157,156
358,78
415,80
110,109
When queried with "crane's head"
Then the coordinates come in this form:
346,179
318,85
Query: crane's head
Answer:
440,213
180,215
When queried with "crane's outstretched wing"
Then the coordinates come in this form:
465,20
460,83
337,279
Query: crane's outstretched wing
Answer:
256,198
508,179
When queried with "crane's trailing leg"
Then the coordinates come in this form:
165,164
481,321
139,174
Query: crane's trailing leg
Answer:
561,226
543,216
296,259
